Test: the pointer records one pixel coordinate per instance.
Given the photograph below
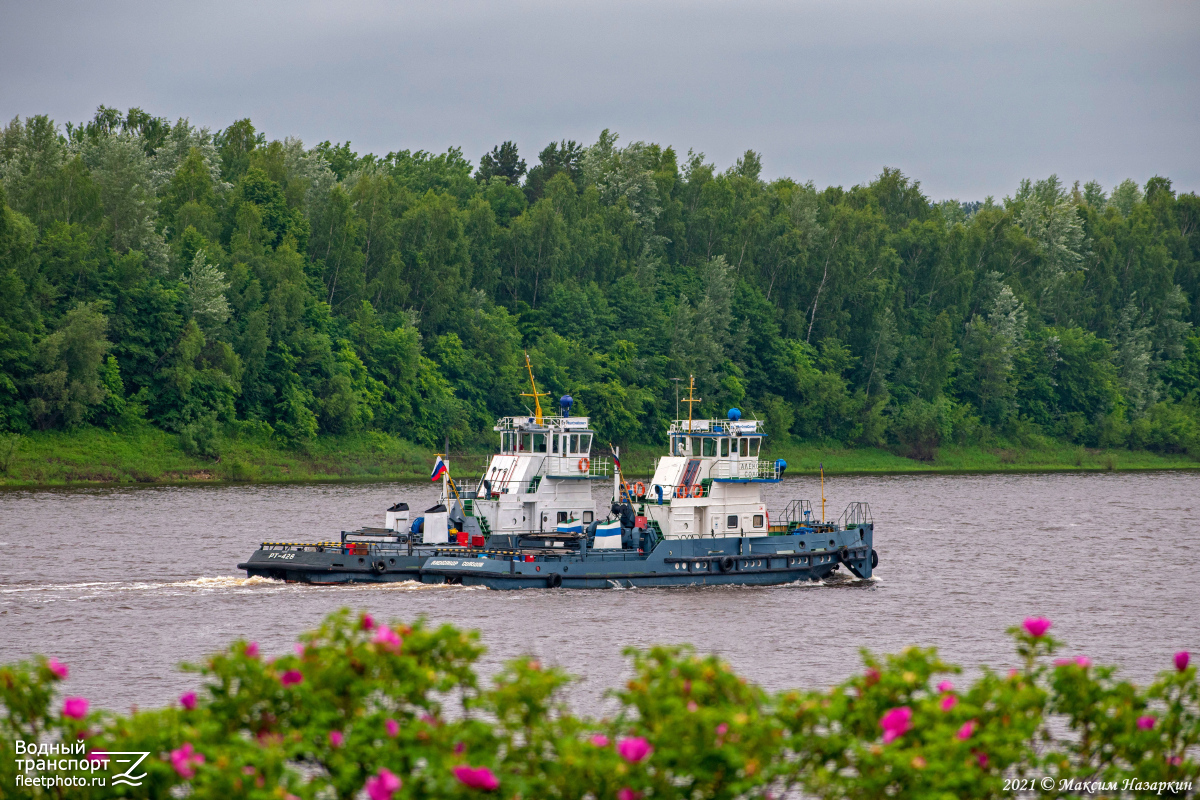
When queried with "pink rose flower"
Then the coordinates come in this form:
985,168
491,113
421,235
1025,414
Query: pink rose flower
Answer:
367,623
387,638
1037,626
459,747
634,749
982,760
722,729
290,677
945,686
188,700
1145,723
896,723
967,730
1181,660
75,707
599,740
299,648
873,676
1174,761
252,650
948,702
59,669
336,739
185,760
393,728
430,720
628,794
692,707
1083,661
383,785
476,778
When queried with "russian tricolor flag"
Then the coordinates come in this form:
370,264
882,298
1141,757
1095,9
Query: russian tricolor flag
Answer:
439,468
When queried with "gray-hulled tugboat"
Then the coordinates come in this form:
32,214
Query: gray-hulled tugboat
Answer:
530,520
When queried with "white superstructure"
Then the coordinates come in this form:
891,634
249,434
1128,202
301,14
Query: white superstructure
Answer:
710,483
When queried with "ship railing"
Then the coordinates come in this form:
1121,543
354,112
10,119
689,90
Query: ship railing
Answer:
856,514
797,512
576,466
746,469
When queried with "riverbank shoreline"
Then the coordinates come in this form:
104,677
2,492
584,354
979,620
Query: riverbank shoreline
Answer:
148,456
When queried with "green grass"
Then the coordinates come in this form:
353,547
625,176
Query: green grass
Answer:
806,458
147,455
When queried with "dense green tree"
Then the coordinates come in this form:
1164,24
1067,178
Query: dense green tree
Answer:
155,268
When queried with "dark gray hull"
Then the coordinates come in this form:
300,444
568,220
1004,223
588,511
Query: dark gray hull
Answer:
759,561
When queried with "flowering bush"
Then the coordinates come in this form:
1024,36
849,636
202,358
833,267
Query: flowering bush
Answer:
396,711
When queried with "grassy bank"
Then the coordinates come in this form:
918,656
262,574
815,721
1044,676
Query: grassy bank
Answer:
148,455
807,458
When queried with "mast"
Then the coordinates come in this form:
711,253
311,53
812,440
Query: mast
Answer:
691,399
533,392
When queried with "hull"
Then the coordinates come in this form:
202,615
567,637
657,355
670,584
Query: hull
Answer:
733,561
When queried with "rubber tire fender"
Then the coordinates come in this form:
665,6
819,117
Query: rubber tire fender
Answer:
379,567
554,581
874,558
726,564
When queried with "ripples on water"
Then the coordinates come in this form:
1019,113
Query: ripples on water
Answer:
124,584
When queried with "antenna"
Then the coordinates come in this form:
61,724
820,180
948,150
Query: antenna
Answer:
691,399
534,393
822,492
677,380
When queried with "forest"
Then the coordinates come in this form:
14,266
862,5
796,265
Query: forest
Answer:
217,284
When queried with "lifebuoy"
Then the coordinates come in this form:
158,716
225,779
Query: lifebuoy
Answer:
639,489
584,464
698,491
681,491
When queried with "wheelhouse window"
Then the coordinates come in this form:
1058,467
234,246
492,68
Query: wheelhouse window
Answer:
587,516
585,443
539,443
527,442
710,447
695,446
724,447
554,443
745,447
754,443
574,442
504,445
758,520
562,516
731,521
680,445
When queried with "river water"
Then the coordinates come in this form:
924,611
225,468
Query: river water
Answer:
123,584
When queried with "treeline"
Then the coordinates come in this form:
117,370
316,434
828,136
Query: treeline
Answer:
219,284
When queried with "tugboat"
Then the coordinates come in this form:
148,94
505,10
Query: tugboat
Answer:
529,521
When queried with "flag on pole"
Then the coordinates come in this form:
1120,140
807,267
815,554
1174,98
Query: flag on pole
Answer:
439,467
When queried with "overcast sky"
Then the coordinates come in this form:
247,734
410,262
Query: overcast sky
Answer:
967,98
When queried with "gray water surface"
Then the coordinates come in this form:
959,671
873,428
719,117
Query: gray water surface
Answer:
123,584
